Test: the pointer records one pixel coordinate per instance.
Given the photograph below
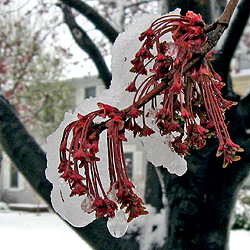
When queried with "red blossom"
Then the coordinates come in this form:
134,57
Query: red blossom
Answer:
76,177
79,189
185,113
129,200
200,130
104,207
148,33
146,131
179,146
139,68
136,129
135,112
131,87
188,97
65,175
143,53
62,167
115,121
161,57
195,19
108,110
176,88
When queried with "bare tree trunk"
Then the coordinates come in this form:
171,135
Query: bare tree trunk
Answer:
202,200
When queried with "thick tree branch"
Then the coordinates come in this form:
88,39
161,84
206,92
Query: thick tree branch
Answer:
100,23
86,44
22,149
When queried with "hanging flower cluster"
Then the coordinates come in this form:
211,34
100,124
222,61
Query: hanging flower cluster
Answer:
81,153
191,110
192,102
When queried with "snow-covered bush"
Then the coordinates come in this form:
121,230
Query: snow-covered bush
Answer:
3,206
241,215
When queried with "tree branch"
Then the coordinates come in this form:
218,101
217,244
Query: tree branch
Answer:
22,149
100,23
86,44
228,12
235,31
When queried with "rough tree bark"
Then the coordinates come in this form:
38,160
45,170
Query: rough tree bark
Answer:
200,201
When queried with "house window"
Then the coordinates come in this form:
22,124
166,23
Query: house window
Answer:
14,180
11,177
90,92
129,162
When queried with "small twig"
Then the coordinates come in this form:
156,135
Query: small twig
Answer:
228,12
225,17
210,27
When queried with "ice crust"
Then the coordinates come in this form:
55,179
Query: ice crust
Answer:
157,149
118,225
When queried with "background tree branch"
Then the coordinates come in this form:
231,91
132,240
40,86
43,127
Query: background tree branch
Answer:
87,45
100,23
22,149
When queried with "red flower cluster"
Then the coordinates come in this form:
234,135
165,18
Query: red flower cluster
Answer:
192,110
192,102
81,153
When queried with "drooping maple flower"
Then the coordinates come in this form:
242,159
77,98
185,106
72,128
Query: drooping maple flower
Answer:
192,102
80,153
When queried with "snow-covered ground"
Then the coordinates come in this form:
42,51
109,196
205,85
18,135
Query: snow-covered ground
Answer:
29,231
240,240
